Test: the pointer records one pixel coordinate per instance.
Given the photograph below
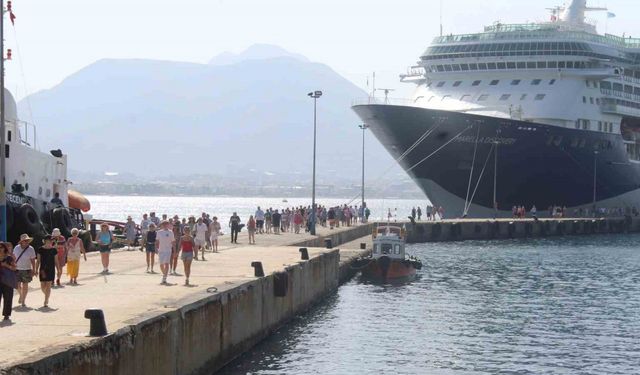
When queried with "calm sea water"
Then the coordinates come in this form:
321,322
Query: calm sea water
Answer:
551,306
118,207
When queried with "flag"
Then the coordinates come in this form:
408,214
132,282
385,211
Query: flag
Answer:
12,16
611,15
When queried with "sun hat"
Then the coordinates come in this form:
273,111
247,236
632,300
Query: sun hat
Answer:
55,232
25,237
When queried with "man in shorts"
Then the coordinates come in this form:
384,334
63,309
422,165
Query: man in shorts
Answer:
260,220
165,243
25,266
200,239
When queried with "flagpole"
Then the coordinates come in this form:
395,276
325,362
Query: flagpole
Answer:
3,134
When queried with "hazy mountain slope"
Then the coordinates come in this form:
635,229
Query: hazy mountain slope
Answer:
157,117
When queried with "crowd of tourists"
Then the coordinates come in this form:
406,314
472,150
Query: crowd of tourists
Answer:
20,264
433,213
165,239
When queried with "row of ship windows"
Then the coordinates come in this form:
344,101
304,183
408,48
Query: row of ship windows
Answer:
485,97
627,89
511,65
495,82
603,126
520,53
591,100
500,47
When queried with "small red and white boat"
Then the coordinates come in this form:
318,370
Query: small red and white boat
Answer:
388,261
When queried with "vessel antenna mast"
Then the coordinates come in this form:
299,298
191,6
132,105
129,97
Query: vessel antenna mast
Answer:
3,134
440,17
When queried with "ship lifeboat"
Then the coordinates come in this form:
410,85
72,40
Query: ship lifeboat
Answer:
78,201
388,261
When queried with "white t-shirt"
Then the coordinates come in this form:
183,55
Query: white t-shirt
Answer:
165,238
201,231
24,263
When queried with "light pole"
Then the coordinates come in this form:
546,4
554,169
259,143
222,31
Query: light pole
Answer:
595,177
315,95
364,127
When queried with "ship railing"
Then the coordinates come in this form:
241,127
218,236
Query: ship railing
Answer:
620,94
518,32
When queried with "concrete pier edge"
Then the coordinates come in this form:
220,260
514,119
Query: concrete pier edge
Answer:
200,335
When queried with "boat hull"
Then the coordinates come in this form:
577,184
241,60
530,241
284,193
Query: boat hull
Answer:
385,269
537,164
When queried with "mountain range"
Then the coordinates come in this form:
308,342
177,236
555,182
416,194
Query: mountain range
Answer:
241,113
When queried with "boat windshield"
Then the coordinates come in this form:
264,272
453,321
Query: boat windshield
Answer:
386,248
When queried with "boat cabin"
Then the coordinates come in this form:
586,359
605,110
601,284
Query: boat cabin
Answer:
388,241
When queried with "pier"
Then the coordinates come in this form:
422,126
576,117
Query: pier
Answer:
175,329
497,229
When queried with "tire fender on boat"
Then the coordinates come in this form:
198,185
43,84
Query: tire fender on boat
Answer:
61,219
26,220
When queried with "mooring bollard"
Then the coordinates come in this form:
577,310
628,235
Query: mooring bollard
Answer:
304,253
328,243
258,271
363,246
97,325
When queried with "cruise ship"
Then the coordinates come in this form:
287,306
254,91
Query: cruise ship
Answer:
539,114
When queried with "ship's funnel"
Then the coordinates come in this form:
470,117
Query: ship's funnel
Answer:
574,12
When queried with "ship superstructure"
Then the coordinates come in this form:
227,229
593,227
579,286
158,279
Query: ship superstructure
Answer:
515,105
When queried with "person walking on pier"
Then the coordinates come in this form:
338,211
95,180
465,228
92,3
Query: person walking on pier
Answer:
104,239
154,219
267,220
46,264
234,223
144,228
260,220
419,213
177,233
200,238
214,229
75,249
276,218
130,232
150,247
25,266
413,214
59,244
187,247
7,279
251,228
165,243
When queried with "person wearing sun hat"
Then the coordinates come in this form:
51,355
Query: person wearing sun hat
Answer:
105,240
25,266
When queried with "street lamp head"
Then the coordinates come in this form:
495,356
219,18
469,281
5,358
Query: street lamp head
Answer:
363,126
315,94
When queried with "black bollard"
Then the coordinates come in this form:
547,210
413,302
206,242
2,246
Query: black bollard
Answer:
304,253
363,245
257,267
328,243
97,325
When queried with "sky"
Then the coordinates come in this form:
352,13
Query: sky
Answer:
52,39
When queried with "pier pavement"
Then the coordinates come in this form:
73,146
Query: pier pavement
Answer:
128,294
